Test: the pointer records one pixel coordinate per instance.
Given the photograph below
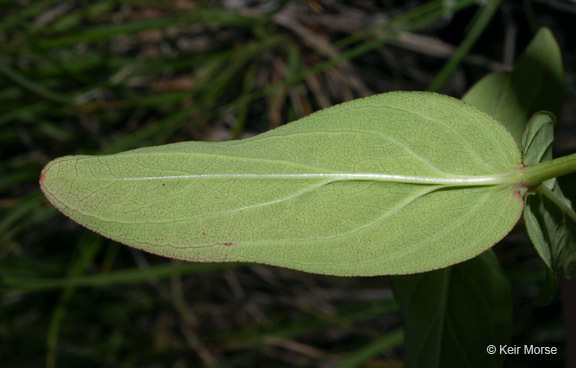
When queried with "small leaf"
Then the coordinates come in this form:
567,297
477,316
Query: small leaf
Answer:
396,183
551,224
537,140
453,315
536,83
549,216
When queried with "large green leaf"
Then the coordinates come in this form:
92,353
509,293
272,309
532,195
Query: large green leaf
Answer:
536,83
549,216
396,183
453,315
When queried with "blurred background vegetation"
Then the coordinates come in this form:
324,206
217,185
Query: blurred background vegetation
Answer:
99,77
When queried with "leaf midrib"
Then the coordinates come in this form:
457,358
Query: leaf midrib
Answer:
454,180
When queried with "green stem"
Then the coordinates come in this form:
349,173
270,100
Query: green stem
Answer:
533,175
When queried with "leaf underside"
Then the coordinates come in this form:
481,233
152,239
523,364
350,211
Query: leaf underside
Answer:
362,188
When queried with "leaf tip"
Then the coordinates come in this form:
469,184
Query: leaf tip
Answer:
44,174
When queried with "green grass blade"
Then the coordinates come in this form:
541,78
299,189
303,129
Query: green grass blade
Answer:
384,343
32,86
485,14
89,248
124,277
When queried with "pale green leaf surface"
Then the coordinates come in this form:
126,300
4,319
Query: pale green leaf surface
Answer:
396,183
549,216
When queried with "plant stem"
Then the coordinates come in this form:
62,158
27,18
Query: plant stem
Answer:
533,175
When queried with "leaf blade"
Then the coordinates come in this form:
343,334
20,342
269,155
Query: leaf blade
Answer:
536,83
342,226
437,307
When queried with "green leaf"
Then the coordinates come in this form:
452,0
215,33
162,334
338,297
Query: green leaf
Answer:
551,225
453,315
536,83
396,183
487,92
537,140
549,216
